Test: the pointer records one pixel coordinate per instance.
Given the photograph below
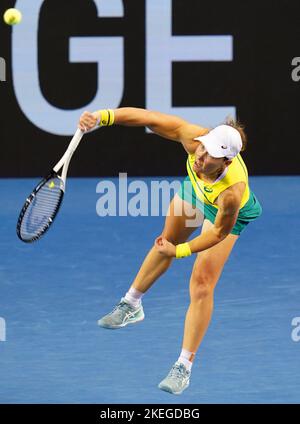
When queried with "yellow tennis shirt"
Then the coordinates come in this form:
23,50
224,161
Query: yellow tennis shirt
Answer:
208,193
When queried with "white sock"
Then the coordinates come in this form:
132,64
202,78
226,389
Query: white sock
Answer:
186,358
133,297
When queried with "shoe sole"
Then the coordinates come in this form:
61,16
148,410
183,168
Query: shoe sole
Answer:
169,390
115,327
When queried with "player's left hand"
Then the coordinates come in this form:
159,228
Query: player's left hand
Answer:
165,247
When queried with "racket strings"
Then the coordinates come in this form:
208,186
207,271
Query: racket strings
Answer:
42,209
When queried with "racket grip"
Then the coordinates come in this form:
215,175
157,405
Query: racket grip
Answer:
70,150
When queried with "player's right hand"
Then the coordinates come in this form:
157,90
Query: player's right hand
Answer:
88,121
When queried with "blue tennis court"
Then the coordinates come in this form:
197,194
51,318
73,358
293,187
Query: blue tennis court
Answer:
54,291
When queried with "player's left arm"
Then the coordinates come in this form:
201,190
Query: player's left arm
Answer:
229,204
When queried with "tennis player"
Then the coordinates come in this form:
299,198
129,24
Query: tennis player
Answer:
217,186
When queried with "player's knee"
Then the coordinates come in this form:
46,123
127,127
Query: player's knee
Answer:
173,238
201,291
202,284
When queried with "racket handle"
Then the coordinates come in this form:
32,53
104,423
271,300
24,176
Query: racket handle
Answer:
70,150
75,141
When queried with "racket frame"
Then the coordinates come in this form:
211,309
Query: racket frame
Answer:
63,162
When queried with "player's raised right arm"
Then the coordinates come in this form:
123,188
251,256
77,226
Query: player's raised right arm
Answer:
168,126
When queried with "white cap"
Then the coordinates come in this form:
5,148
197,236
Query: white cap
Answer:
222,141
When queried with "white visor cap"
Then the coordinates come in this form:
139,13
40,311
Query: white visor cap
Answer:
222,141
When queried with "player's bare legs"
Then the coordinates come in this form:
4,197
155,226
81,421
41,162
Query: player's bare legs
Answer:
205,275
178,227
176,231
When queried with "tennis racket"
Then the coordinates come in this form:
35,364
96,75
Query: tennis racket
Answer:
42,206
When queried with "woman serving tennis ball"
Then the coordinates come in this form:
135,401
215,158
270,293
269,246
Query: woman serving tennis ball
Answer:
216,187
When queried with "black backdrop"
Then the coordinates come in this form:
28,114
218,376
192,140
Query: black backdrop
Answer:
258,82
